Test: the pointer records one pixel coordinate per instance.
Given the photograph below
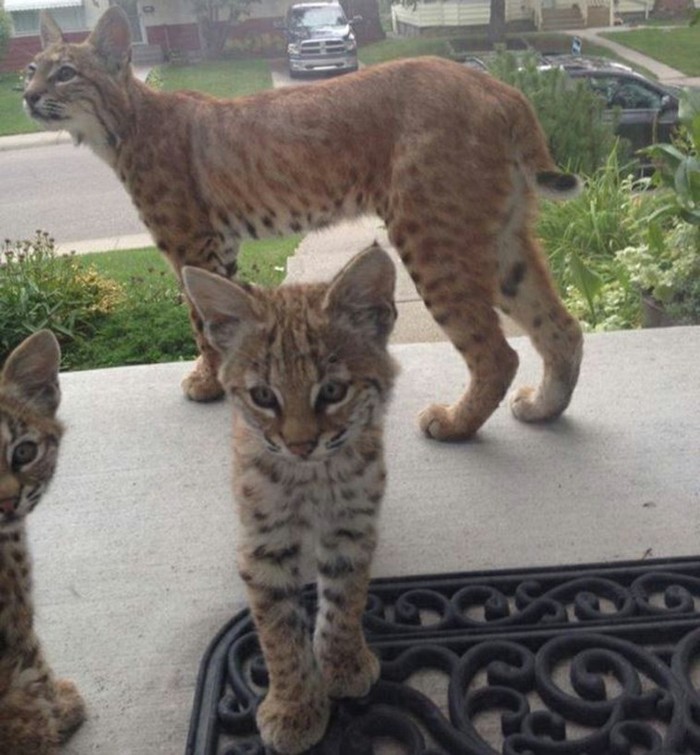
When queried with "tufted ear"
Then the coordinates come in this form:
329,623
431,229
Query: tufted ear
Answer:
225,307
112,37
49,31
30,375
362,294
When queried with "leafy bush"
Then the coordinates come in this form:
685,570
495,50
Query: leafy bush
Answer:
664,264
5,32
582,238
40,289
150,323
580,138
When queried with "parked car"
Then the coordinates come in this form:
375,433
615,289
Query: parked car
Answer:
646,111
320,38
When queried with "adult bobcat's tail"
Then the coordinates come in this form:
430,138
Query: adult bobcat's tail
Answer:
555,185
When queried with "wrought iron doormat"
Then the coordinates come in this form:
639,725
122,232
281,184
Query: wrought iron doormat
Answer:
600,659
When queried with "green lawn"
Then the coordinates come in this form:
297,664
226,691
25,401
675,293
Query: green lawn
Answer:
222,78
678,47
392,49
150,323
263,262
13,119
229,78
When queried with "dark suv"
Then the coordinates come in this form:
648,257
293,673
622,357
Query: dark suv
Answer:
320,38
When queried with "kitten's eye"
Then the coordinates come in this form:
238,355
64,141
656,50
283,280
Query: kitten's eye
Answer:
31,70
264,397
65,73
332,392
24,453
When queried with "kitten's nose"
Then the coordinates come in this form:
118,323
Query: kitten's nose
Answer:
31,98
302,449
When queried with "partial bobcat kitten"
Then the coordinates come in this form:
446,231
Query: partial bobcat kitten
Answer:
309,374
37,711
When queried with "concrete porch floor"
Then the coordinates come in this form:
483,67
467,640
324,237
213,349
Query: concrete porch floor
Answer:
134,543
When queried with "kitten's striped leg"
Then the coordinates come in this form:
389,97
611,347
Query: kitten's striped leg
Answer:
295,711
69,708
344,554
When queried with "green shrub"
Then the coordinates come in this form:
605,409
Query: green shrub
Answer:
583,237
572,116
39,289
150,324
5,32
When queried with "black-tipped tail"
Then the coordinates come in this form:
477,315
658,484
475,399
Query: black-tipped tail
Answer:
555,185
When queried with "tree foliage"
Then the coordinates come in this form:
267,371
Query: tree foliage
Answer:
572,116
216,18
5,32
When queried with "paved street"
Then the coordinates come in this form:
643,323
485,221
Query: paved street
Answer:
64,190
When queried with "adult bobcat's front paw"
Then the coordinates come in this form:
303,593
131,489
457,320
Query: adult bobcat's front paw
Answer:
351,675
202,384
291,727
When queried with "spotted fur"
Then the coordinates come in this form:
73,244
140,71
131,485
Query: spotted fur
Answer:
309,374
450,158
37,711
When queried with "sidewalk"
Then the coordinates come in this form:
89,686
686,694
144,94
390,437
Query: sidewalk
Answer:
664,73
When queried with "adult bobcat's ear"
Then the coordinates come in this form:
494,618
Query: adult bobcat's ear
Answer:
49,31
362,294
112,37
225,307
30,375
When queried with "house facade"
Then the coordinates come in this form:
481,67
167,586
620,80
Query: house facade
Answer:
159,27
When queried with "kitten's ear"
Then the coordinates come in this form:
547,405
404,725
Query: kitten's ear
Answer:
112,37
49,31
363,294
30,375
225,307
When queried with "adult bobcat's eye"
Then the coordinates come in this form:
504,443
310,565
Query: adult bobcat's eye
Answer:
332,392
264,397
24,453
65,73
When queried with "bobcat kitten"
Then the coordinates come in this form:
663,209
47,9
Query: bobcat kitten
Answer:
37,711
309,373
451,160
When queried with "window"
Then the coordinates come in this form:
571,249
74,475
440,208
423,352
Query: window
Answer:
26,22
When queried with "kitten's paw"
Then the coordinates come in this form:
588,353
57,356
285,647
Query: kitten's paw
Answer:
292,727
70,708
351,675
201,384
439,422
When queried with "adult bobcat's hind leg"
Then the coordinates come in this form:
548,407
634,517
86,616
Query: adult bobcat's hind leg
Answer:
458,292
527,294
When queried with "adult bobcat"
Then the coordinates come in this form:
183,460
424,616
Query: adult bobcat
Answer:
448,157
